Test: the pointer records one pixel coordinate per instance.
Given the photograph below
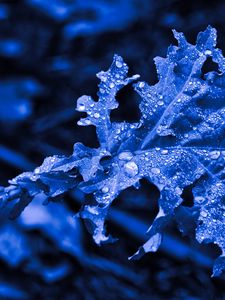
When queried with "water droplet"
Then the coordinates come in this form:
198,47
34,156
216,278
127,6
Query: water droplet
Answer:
119,64
155,170
178,191
131,168
102,76
159,129
199,199
33,177
37,170
80,107
160,103
203,213
163,130
96,115
164,151
201,238
91,209
105,189
141,84
214,154
208,52
125,155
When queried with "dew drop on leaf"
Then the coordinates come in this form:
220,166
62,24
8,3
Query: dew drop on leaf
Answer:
199,199
155,170
214,154
208,52
37,171
203,213
160,103
141,84
131,169
96,115
81,107
178,191
105,189
125,155
164,151
119,64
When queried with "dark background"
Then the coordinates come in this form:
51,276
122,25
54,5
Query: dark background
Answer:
50,52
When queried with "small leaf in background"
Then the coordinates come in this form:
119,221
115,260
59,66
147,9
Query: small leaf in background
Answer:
16,98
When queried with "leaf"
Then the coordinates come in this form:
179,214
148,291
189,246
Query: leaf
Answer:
151,245
16,98
56,222
181,144
14,245
178,143
98,113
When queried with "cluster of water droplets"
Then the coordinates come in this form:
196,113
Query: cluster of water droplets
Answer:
153,102
130,167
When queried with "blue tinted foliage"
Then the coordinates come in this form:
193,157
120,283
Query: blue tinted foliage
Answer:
94,16
16,98
177,143
53,222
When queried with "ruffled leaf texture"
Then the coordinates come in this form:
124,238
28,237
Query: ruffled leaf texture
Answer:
178,143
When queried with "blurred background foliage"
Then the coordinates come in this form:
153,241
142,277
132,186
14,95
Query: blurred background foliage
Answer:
50,52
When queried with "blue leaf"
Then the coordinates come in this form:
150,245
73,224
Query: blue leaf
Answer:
178,143
99,112
181,144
